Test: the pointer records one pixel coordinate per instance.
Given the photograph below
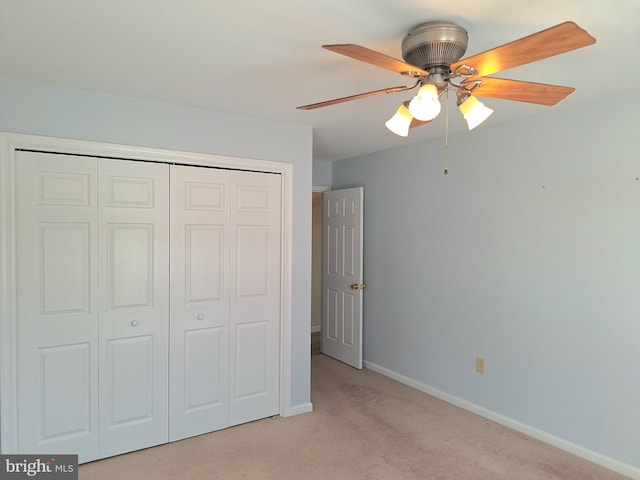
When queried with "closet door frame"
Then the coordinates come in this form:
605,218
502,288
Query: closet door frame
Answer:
10,143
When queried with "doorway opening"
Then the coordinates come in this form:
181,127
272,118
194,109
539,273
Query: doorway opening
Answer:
316,272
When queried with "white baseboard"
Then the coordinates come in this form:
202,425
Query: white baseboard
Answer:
298,409
603,460
315,328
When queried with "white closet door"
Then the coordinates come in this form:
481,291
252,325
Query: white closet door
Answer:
57,307
254,384
199,369
93,272
134,304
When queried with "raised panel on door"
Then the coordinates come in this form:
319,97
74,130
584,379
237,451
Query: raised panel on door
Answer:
204,381
199,366
134,304
57,314
254,383
131,370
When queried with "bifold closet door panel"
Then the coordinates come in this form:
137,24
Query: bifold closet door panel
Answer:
57,304
134,304
254,386
199,365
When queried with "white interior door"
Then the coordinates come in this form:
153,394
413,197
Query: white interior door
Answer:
57,304
134,304
342,275
254,357
199,368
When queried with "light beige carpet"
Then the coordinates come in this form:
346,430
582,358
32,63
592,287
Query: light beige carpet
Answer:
364,426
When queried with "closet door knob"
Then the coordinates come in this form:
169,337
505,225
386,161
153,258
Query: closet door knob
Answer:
200,316
134,323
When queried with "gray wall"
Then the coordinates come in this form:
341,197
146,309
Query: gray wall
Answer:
322,174
527,254
46,110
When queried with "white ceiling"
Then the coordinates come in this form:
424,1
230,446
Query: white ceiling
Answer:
263,58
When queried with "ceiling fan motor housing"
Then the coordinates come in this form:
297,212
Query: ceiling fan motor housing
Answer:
434,44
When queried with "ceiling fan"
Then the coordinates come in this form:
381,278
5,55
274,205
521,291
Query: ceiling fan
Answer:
432,52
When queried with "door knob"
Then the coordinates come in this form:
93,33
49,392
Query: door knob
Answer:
358,286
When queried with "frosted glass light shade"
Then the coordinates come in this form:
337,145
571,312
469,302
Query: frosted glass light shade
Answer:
474,112
425,105
400,122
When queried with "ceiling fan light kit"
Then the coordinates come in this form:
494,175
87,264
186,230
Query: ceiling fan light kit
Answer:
432,53
426,104
473,111
400,122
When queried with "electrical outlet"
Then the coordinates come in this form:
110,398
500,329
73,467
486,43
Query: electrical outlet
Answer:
480,365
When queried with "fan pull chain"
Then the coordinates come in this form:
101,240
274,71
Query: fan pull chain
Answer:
446,138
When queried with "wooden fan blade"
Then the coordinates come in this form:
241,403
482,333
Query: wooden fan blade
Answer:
417,123
353,97
552,41
376,58
530,92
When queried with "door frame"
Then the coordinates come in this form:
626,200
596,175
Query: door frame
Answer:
10,142
318,189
